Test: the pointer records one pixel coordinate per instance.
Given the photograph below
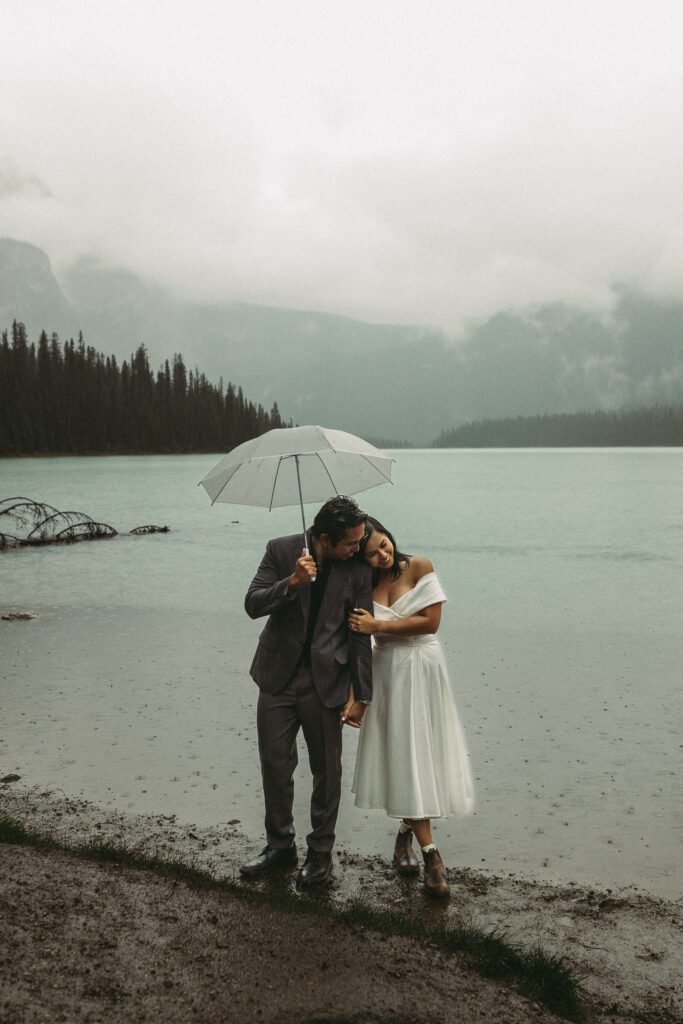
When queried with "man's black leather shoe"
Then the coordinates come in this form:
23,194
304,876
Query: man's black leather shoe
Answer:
270,860
317,868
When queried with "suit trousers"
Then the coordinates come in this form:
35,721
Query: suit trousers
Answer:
279,717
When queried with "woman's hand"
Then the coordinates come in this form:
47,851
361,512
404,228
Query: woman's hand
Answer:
352,713
361,621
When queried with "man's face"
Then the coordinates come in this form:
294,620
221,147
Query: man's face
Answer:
347,546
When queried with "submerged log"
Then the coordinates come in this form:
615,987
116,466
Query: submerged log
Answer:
36,523
85,531
56,524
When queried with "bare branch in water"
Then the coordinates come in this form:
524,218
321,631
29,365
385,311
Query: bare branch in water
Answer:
49,528
35,523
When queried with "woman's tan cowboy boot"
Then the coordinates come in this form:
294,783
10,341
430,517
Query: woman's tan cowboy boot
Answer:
435,874
405,861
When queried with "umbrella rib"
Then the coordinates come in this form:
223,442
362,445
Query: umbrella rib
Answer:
272,493
387,478
214,500
328,473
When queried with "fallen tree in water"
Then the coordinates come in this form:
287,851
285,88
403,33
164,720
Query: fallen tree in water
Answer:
25,522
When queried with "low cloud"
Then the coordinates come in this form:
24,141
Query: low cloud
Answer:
431,169
15,184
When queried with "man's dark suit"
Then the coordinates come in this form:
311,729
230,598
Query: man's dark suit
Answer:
310,695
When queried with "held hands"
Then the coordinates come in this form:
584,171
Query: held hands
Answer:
305,571
361,621
352,712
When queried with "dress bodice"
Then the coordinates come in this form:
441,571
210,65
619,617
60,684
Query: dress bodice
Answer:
427,591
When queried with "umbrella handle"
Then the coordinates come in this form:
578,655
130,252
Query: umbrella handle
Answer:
313,578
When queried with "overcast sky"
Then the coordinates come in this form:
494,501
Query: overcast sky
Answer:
426,163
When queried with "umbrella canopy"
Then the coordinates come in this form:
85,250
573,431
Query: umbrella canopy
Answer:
293,465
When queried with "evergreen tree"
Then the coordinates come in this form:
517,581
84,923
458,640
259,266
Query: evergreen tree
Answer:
71,399
623,427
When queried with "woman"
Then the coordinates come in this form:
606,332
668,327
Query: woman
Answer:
412,760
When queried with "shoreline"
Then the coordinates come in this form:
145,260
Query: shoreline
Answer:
624,945
139,661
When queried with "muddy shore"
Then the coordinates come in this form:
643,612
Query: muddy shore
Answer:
93,942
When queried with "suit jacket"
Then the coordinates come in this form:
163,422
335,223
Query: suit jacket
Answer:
338,657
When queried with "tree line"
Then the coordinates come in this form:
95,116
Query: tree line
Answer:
69,399
659,425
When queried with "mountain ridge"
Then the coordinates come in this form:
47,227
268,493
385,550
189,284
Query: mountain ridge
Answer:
402,381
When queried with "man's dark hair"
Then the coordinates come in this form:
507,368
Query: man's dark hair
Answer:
336,516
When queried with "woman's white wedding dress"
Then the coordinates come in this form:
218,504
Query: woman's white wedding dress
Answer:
412,759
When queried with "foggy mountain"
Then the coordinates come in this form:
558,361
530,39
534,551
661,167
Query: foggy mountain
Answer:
377,380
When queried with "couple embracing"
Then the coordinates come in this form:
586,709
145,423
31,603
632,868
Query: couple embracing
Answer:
317,669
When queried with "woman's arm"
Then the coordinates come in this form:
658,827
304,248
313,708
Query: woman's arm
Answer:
425,621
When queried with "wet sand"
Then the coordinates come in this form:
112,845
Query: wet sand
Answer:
94,942
150,709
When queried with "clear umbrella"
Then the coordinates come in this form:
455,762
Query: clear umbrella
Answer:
293,465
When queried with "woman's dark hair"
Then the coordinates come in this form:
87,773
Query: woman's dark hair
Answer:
336,516
374,526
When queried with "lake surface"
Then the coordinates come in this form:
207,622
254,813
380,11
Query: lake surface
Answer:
563,631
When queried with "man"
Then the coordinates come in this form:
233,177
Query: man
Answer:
311,672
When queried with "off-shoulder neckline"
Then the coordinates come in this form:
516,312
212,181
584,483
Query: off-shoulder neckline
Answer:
380,605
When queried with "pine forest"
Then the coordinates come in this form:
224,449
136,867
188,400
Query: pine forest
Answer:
69,399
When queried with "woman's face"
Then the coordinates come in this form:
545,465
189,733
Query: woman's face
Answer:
379,551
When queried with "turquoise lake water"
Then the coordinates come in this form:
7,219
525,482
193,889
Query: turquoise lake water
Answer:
563,631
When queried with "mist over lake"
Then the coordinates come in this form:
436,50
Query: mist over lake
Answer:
563,570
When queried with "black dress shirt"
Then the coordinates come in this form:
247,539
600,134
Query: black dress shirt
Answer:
317,593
